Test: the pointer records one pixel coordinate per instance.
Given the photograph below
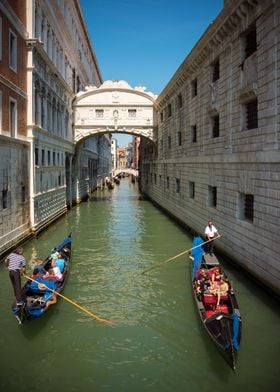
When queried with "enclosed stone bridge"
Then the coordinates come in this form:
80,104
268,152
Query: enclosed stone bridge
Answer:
130,171
114,107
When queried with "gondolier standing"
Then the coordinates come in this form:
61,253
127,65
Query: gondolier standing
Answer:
16,263
211,232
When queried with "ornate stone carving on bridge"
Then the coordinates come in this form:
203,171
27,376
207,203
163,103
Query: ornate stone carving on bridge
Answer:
114,107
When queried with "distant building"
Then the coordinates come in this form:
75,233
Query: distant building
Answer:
135,152
114,147
121,152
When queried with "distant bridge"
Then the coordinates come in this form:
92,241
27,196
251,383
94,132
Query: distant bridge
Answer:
128,171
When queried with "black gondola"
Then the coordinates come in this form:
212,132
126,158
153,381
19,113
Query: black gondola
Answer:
223,321
36,293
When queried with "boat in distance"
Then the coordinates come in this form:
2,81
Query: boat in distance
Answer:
39,291
218,309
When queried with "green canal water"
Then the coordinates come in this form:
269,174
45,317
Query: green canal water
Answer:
156,342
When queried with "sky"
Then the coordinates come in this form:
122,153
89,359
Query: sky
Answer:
145,41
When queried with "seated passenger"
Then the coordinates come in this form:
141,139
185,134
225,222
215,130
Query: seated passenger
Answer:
52,300
39,270
203,282
55,273
217,276
54,254
60,262
222,290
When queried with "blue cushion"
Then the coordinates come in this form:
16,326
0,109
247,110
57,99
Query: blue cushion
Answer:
49,283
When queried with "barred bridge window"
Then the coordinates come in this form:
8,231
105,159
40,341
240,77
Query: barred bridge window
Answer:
252,114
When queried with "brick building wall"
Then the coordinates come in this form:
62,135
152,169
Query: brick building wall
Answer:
14,148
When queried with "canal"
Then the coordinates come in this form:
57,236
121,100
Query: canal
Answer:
156,341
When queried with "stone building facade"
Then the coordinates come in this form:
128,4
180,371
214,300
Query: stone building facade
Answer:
14,147
61,62
46,58
217,149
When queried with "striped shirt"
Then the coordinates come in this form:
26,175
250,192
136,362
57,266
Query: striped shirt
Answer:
16,262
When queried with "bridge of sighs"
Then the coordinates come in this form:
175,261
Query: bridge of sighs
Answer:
114,107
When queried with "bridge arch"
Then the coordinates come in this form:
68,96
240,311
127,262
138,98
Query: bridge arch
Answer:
114,107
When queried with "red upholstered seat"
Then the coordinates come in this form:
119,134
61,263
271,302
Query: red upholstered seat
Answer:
209,313
209,299
219,308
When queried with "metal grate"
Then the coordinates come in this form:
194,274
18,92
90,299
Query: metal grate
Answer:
252,114
216,126
216,71
194,134
249,207
250,43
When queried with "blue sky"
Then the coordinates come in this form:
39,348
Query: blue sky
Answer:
145,41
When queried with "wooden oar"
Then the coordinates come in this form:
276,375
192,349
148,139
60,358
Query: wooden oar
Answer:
43,286
180,254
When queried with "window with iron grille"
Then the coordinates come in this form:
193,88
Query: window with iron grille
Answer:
246,207
191,189
250,42
216,71
167,182
216,126
169,141
169,111
178,185
99,113
180,101
23,194
131,112
161,116
212,196
249,208
4,199
252,114
179,138
194,87
194,134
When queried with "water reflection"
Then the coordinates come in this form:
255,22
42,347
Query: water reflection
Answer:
157,342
